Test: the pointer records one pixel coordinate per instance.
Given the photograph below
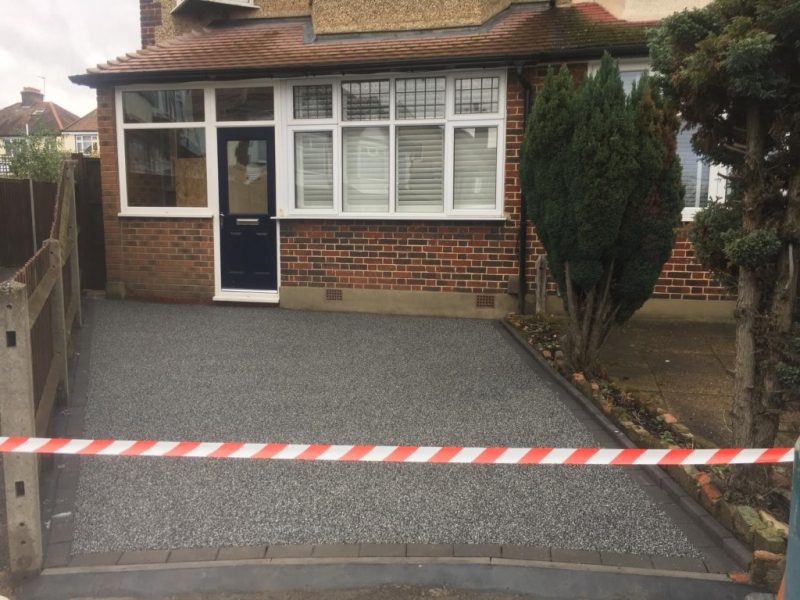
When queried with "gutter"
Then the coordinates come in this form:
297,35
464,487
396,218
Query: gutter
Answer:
523,207
110,78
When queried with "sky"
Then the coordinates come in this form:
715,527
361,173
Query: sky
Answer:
58,38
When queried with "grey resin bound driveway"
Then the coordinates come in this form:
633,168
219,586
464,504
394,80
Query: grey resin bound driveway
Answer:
215,373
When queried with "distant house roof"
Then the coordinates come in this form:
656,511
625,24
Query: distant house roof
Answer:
266,47
38,115
87,122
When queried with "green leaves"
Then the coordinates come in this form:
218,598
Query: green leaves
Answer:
602,183
36,156
753,250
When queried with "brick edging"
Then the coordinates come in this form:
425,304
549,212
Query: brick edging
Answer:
737,551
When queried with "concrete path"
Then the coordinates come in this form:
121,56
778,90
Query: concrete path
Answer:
247,374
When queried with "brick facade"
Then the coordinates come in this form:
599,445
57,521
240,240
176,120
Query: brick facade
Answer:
149,20
169,258
155,258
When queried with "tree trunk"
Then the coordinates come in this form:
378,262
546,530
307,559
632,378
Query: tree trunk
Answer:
590,317
747,413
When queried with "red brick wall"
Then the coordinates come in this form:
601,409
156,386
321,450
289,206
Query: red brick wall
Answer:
684,279
156,258
149,20
168,258
173,258
472,257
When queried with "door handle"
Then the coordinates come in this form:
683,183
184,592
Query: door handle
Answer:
243,221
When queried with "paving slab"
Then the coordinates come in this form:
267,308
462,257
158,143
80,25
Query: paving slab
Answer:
215,373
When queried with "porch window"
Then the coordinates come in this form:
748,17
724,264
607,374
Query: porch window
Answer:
245,104
164,148
422,145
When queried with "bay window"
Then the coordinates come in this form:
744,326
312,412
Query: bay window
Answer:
397,145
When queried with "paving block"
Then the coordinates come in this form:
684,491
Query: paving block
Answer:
335,551
618,559
718,561
381,550
479,550
289,551
95,559
57,555
429,550
242,552
540,553
144,557
60,531
769,539
679,563
192,554
583,557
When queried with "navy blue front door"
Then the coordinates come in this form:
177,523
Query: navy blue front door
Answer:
248,244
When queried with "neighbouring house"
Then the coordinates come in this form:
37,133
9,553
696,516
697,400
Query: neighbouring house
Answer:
351,154
32,114
81,136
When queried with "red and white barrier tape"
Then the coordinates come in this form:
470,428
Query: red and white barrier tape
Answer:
406,454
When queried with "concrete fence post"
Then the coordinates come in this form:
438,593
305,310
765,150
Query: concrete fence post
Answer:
541,284
58,313
18,418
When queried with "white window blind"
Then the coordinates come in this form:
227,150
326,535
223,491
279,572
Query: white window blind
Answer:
695,172
313,169
420,169
475,167
365,169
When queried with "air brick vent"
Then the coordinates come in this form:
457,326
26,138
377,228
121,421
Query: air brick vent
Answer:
333,294
484,301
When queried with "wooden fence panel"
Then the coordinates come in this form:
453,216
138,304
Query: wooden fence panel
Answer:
16,228
16,236
91,238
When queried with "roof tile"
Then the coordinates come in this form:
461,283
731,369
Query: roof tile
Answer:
282,45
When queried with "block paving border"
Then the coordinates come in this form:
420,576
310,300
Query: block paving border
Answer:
721,552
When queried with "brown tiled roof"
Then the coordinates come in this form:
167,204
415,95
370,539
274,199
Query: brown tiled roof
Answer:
262,47
87,122
46,117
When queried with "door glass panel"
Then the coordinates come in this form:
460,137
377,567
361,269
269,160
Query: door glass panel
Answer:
247,176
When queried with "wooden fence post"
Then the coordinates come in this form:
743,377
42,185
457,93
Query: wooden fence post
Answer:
75,279
18,418
58,313
541,284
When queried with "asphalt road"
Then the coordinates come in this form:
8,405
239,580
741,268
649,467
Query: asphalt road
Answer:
215,373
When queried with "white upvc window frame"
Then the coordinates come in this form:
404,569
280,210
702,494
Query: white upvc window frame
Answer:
81,139
287,208
716,176
164,211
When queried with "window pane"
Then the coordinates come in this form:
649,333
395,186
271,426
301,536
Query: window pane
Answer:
475,167
695,172
365,100
166,167
629,78
163,106
313,169
247,176
477,95
365,170
313,101
420,98
245,104
420,169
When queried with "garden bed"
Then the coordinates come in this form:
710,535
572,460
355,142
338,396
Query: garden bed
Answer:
759,521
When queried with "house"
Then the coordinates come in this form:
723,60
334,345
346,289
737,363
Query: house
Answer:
349,154
81,136
32,114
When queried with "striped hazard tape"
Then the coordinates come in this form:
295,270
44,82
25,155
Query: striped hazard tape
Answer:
405,454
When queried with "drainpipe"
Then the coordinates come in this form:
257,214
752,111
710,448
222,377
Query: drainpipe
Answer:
523,209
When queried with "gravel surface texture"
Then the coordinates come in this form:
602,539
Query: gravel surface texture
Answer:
215,373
